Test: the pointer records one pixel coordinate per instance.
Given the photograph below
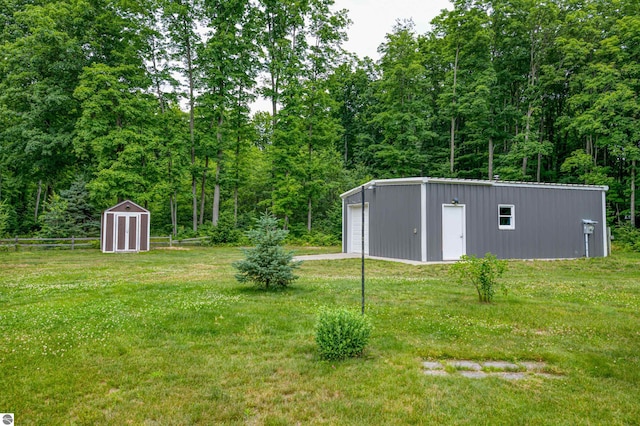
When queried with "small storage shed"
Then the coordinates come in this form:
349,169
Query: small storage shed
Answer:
433,219
125,228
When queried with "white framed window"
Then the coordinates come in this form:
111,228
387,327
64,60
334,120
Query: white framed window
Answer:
506,216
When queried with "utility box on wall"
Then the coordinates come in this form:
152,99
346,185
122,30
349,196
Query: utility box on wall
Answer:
125,228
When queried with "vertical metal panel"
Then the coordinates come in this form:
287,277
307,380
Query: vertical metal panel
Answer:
548,220
344,225
394,221
423,222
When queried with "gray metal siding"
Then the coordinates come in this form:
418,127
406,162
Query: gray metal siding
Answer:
394,214
548,221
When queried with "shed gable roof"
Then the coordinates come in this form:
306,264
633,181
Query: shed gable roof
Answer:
127,206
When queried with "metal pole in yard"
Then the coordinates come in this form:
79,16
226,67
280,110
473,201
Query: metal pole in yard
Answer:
363,189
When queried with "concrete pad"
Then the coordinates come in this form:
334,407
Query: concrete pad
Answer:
473,374
466,365
501,365
429,365
327,256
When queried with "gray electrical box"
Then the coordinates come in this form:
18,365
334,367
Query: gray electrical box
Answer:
588,226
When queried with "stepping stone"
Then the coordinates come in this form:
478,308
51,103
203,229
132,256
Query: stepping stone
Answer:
473,374
501,365
435,373
429,365
466,365
533,365
509,375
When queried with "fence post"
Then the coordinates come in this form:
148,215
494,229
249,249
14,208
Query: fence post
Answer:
170,240
73,242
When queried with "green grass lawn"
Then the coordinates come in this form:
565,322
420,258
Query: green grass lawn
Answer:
169,337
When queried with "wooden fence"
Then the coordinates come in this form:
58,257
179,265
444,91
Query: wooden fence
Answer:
91,242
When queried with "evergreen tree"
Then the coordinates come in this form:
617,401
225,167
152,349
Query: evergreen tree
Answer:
80,211
267,264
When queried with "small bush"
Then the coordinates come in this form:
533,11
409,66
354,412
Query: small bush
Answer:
341,333
483,273
225,232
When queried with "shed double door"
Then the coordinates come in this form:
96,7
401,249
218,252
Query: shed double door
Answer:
126,232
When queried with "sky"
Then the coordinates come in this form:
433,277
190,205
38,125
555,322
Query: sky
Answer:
373,19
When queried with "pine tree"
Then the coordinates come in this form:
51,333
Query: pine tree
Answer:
267,264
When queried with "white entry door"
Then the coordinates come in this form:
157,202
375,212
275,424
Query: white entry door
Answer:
355,228
454,239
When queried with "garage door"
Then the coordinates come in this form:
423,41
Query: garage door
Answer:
355,228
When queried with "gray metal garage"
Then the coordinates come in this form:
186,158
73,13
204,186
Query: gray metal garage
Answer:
433,219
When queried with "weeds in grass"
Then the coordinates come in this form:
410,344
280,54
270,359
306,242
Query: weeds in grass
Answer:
169,337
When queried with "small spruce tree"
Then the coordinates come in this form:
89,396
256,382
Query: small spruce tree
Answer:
268,263
79,210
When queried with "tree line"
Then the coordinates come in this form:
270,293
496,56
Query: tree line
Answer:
152,101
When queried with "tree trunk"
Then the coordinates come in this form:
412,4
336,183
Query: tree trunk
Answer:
527,129
38,195
491,148
202,189
235,206
539,168
236,182
194,183
453,113
156,80
632,212
309,177
215,214
173,206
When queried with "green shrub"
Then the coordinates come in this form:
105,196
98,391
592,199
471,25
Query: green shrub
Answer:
341,333
4,218
627,238
224,232
268,263
483,273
